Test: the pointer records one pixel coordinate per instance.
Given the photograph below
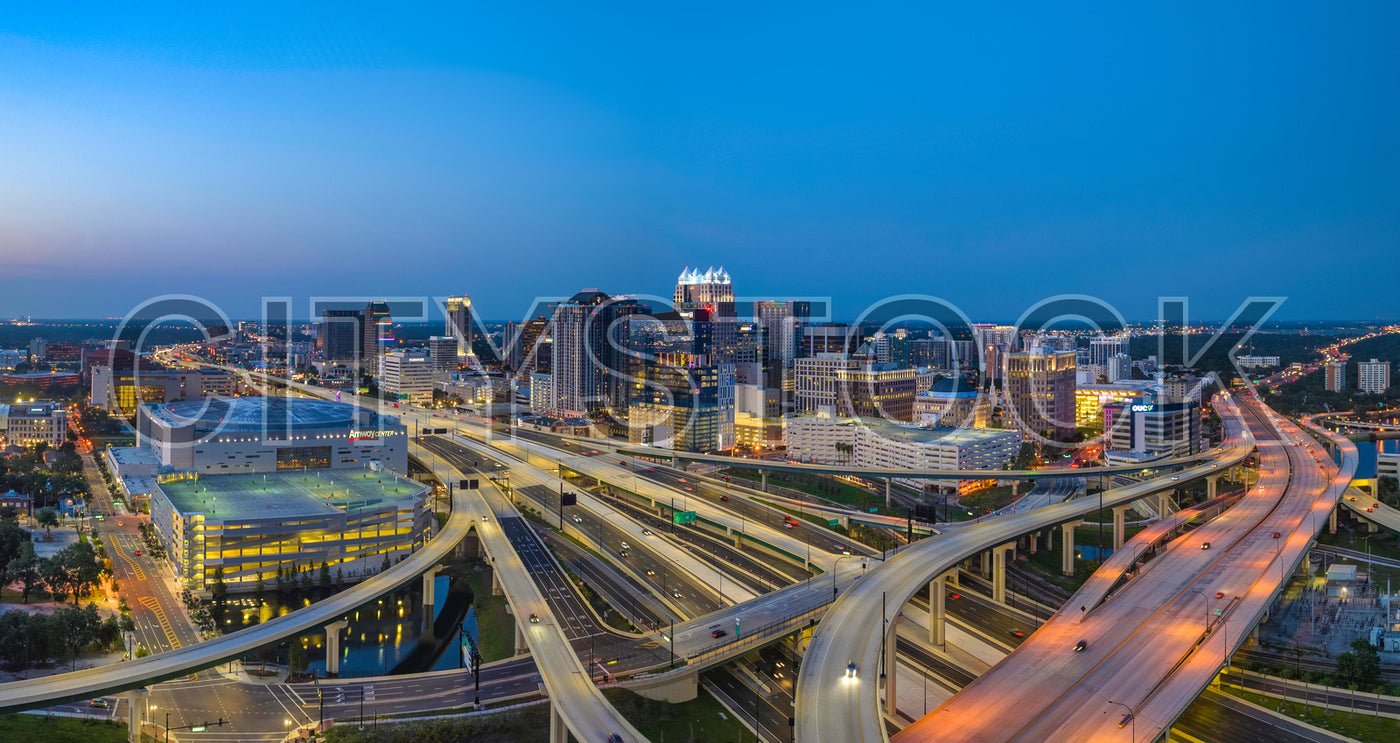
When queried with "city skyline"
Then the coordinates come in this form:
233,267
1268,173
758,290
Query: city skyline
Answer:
1001,156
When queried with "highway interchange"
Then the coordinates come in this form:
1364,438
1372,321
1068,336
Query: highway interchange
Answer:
696,601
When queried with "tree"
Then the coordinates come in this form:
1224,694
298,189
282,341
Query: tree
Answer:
324,579
296,657
218,587
48,518
386,564
25,569
84,568
1388,491
55,576
76,627
1366,662
259,588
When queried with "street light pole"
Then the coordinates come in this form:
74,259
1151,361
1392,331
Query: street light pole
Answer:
1131,717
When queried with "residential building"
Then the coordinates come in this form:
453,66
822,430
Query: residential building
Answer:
33,423
1373,376
1336,375
541,393
408,375
1039,387
528,346
1257,362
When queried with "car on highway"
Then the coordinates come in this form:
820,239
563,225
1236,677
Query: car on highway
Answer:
138,553
651,572
121,524
626,546
689,488
1220,594
1370,509
684,480
1080,646
1277,534
1018,633
578,519
615,738
623,553
955,595
676,594
718,633
534,619
1205,545
99,703
646,532
724,498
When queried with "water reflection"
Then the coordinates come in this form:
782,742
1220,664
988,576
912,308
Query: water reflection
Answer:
384,637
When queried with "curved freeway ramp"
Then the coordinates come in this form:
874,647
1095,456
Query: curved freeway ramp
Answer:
833,707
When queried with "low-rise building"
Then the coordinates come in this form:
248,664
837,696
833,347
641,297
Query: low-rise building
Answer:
1090,399
34,423
245,528
952,402
825,439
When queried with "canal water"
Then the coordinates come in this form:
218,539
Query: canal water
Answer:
383,638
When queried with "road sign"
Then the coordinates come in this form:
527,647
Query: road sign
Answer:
684,517
833,523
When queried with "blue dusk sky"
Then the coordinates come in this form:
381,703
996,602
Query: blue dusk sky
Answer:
992,154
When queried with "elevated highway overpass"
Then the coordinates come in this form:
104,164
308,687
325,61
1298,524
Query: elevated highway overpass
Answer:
857,628
1155,643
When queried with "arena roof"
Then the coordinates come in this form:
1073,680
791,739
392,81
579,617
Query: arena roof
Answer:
235,414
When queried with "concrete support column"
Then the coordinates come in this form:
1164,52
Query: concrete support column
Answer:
1118,527
1210,485
521,647
1164,503
1015,489
1371,527
891,666
1332,521
937,597
136,711
430,587
889,499
496,589
1067,548
999,571
1050,538
558,733
764,475
986,570
1032,542
333,647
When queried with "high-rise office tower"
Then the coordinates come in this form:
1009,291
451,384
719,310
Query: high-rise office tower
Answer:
1103,348
1039,388
459,323
994,341
340,335
378,336
442,349
713,287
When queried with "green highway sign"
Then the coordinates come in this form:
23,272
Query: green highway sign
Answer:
684,517
833,522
